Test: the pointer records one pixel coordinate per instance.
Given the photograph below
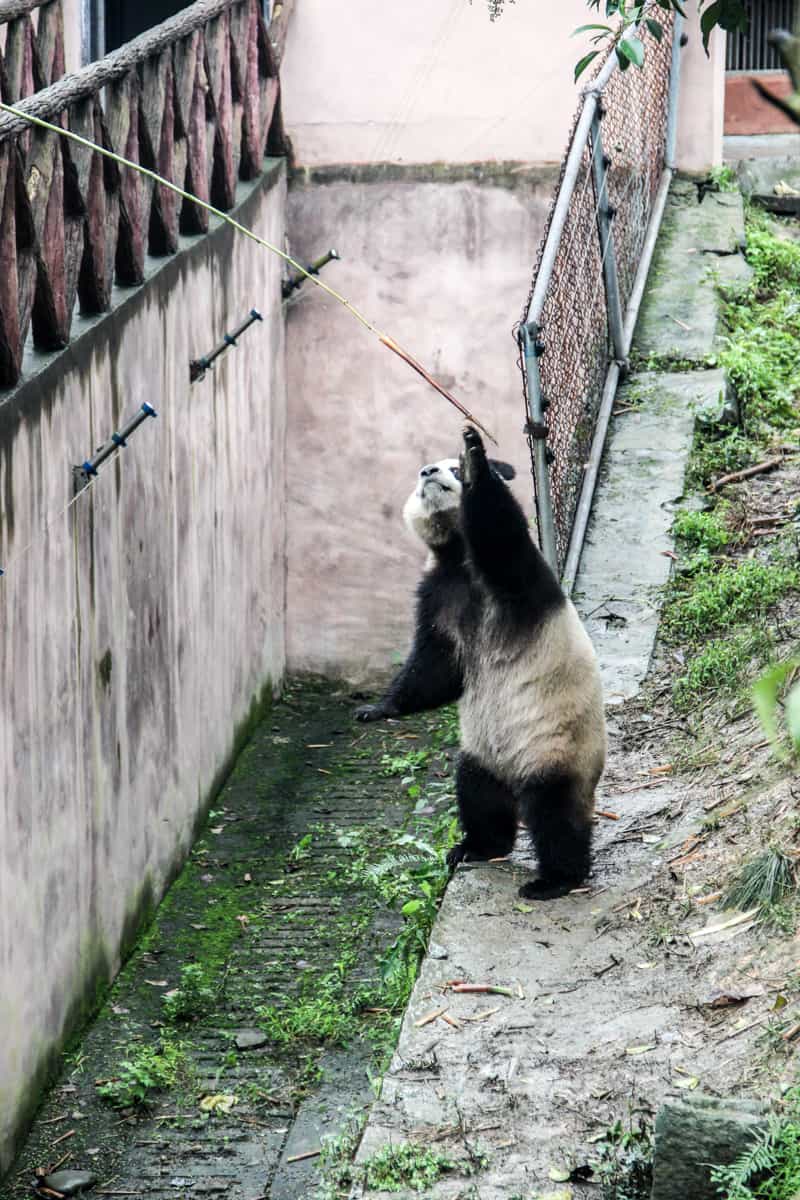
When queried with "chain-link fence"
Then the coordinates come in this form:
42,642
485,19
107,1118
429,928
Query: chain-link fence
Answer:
578,320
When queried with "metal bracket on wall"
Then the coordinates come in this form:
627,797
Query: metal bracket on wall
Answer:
81,475
199,366
296,281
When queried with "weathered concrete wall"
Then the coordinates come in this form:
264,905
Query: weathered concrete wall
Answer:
139,632
440,259
421,82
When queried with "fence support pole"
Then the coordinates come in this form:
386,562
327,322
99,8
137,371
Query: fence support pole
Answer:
537,433
605,217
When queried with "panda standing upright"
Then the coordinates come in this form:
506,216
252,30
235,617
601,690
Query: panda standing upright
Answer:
495,632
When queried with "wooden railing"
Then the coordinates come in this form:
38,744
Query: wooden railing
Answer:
195,99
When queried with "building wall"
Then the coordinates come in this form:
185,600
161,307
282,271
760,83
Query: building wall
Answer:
420,82
141,629
441,259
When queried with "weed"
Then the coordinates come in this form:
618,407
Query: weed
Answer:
775,261
404,764
725,179
770,1168
703,530
624,1169
719,666
336,1169
714,456
144,1070
406,1165
323,1013
301,851
719,597
412,878
192,998
762,883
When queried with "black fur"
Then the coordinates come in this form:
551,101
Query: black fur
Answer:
432,675
560,826
500,548
488,813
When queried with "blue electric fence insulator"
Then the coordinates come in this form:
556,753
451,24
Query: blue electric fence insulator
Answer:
199,366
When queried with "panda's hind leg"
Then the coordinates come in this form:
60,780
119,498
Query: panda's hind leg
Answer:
488,813
558,816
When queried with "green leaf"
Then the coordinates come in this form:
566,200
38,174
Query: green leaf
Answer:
632,48
624,63
765,699
584,63
709,21
793,715
679,8
656,28
586,28
410,907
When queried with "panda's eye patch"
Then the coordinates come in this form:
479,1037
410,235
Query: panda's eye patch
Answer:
455,472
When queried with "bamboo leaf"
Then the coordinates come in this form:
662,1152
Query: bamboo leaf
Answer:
656,28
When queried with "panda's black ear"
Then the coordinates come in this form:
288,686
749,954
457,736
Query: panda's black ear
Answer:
504,470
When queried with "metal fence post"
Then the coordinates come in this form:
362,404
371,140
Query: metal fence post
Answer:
537,433
605,218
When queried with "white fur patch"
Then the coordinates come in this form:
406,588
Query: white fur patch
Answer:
535,707
432,511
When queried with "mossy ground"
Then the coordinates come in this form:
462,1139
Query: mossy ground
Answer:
301,914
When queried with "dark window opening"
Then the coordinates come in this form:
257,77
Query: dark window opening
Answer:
126,19
751,51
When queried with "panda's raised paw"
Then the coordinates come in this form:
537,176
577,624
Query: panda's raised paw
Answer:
474,457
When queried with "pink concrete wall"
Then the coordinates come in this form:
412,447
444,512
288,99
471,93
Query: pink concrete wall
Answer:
443,265
431,80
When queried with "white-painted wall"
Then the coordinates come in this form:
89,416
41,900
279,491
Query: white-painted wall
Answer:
431,80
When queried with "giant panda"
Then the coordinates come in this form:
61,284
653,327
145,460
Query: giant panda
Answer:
495,632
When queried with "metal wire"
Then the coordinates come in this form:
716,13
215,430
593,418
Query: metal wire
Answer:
574,320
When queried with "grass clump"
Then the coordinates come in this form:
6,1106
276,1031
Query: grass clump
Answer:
411,879
143,1071
703,530
719,597
193,997
719,666
713,456
770,1168
624,1168
762,883
406,1165
775,260
322,1013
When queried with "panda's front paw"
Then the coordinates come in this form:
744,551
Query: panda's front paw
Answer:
474,458
372,712
368,712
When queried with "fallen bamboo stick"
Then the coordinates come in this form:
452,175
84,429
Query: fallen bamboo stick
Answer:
736,476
